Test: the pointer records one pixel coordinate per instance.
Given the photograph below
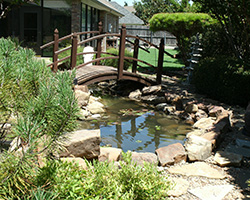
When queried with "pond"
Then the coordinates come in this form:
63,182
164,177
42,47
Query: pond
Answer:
130,125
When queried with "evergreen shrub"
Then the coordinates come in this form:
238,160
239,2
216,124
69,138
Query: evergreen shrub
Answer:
114,62
224,79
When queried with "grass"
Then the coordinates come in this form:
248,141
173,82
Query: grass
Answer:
169,64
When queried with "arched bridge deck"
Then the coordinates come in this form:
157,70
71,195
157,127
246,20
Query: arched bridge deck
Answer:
96,73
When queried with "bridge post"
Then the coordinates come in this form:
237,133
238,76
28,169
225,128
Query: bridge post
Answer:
99,43
73,52
160,62
121,52
136,51
55,48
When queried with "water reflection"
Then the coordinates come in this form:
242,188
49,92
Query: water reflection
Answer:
137,128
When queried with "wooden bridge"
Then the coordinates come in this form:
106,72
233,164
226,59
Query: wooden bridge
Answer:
87,74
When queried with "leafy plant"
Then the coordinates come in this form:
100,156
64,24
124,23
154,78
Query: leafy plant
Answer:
103,180
114,62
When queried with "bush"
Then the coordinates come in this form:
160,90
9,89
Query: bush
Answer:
104,180
223,79
44,106
114,62
183,26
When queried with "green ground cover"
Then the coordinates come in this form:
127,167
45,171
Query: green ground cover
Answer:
169,64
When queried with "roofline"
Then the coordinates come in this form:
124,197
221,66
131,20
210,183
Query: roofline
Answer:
108,8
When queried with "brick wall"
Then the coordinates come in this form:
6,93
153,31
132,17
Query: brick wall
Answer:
76,16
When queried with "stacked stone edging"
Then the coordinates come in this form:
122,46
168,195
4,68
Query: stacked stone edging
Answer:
209,121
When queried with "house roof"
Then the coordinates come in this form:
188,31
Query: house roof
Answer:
103,5
128,18
130,8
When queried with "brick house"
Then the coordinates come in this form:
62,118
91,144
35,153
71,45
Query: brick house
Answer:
34,24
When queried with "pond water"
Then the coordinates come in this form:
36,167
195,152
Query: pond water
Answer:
132,126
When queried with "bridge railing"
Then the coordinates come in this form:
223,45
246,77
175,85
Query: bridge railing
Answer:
99,35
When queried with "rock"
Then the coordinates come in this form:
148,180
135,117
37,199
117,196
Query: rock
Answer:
197,169
215,111
180,187
140,158
93,99
82,97
135,94
191,108
153,99
81,162
171,154
83,114
113,154
200,114
212,137
204,123
247,120
169,110
151,89
223,158
96,107
95,116
161,106
82,88
82,143
177,102
198,148
215,192
184,93
195,132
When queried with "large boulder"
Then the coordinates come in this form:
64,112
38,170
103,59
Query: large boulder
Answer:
198,148
204,123
171,154
110,154
140,158
82,98
82,143
135,95
151,89
96,107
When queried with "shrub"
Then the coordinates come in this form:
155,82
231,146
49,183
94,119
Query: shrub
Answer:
104,180
44,106
182,26
224,79
114,62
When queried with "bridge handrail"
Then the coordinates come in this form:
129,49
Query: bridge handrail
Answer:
114,57
100,35
67,37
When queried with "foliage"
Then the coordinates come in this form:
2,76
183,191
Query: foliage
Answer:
224,79
114,62
15,176
44,106
145,9
104,180
5,8
234,17
182,26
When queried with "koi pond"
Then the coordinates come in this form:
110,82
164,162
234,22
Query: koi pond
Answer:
130,125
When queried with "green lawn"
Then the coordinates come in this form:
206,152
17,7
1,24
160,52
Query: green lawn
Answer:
169,64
